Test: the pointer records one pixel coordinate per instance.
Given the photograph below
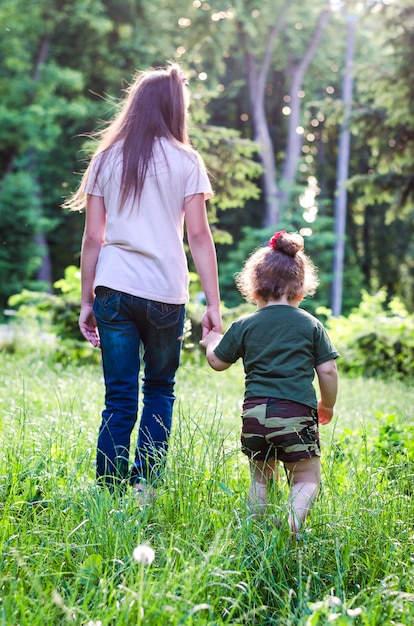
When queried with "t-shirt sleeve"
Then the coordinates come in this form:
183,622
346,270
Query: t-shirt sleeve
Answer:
324,348
228,350
197,180
92,184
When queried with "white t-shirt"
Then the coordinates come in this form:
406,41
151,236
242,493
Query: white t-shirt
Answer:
143,253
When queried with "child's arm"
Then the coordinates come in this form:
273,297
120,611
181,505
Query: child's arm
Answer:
328,385
210,343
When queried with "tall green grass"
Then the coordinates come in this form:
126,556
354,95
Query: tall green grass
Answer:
67,546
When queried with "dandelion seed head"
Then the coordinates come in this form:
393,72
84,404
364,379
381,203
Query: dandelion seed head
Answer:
57,598
200,607
143,554
354,612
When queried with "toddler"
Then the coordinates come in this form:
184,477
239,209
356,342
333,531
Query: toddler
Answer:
281,347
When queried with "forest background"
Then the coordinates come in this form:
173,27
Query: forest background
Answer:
296,107
304,113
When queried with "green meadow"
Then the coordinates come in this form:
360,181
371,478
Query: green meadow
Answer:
67,546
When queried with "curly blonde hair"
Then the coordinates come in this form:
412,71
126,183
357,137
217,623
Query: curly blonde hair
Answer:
279,269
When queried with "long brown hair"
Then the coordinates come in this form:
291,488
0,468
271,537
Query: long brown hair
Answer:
155,106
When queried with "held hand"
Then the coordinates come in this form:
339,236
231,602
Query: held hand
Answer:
211,321
211,338
325,413
87,325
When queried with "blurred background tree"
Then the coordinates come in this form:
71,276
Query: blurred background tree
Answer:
266,84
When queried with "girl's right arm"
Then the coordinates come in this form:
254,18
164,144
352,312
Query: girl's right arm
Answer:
204,255
328,384
210,343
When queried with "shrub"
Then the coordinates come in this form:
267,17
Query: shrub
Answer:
20,222
50,321
376,339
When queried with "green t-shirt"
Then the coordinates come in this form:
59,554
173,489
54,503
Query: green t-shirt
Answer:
280,346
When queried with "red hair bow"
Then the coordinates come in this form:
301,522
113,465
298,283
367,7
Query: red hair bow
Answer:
272,241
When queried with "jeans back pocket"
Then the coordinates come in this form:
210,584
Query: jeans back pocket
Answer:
107,304
162,315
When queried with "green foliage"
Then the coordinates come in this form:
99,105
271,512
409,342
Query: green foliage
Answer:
59,310
391,119
229,159
55,316
390,447
70,284
375,340
395,448
43,106
19,223
59,85
381,179
68,74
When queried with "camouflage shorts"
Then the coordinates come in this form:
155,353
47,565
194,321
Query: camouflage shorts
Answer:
279,429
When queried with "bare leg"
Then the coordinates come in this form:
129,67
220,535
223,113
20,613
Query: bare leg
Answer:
304,478
261,473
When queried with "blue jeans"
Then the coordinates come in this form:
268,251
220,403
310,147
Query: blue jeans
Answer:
127,326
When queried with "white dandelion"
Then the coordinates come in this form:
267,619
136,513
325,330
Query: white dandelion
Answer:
143,554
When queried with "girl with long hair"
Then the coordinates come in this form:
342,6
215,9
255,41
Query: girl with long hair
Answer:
143,183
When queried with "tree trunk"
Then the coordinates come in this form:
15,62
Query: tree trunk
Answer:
266,152
256,78
294,141
44,273
342,172
257,71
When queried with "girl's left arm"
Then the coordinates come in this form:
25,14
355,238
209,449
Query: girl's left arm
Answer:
328,384
93,238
